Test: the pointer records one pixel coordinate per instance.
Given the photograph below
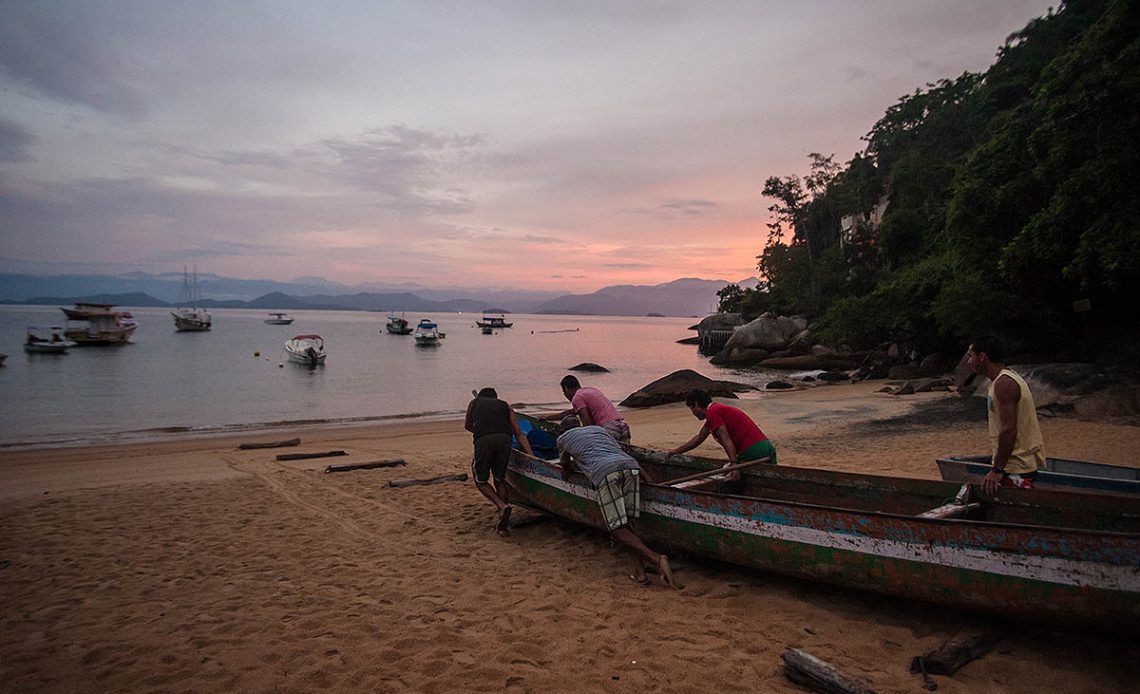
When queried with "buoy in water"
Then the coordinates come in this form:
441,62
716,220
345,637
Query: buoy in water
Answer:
257,354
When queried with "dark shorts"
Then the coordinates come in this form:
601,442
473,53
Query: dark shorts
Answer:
492,453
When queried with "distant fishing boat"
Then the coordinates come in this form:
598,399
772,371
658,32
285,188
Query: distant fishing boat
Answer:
188,317
398,325
98,324
278,319
491,321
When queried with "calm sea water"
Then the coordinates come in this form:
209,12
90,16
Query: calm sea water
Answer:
214,381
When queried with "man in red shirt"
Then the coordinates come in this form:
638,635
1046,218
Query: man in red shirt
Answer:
734,430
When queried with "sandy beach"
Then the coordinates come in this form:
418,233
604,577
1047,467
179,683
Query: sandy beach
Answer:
187,564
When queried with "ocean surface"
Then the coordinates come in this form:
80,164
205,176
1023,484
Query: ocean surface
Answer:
236,376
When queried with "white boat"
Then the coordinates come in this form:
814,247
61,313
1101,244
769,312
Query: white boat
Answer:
306,349
279,319
188,317
47,342
98,324
398,325
427,333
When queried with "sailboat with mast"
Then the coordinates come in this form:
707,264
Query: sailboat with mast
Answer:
188,317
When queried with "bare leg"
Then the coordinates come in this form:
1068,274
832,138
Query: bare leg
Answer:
628,538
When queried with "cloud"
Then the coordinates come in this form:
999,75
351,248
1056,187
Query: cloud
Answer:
62,60
15,141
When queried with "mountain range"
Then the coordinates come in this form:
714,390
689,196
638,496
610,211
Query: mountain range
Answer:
682,297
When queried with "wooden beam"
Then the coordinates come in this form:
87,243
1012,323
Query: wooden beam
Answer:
461,477
804,668
715,471
345,467
270,444
957,651
306,456
950,510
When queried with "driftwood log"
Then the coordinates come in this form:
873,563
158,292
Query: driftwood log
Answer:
305,456
344,467
461,477
271,444
804,668
956,652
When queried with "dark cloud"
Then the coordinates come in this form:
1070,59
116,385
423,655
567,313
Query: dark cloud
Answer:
689,207
56,56
15,141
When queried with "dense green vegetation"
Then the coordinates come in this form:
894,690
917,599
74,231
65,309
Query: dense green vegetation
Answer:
1014,205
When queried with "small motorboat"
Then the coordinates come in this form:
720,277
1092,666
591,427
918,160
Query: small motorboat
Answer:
47,342
278,319
398,325
427,333
306,349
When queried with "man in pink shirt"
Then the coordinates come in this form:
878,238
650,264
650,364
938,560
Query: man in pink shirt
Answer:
592,408
734,430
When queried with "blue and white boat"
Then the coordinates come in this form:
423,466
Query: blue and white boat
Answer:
1058,474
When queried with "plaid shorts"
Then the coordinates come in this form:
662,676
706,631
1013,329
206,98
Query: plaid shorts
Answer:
619,496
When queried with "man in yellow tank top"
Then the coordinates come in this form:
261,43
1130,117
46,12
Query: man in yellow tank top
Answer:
1015,435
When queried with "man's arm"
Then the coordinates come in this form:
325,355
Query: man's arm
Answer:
693,442
1006,397
469,420
725,441
584,417
522,439
568,466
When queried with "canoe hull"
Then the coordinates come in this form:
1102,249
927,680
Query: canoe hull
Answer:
1043,574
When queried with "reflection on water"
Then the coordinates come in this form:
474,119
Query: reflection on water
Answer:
238,374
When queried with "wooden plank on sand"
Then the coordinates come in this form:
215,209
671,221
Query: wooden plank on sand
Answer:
461,477
804,668
344,467
271,444
956,652
305,456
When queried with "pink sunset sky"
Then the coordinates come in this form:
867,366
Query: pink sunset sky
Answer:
549,145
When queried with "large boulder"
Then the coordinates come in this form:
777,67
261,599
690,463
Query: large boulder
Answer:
756,340
590,367
675,386
719,321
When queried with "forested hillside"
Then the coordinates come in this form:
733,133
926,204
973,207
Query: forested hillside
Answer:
1012,206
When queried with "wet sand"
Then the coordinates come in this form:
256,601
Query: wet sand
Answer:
189,565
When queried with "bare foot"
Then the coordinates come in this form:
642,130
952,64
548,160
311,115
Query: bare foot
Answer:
504,526
667,573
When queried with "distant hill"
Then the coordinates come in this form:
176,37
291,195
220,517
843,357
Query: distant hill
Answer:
683,297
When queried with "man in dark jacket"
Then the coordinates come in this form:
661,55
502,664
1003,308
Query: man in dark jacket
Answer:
492,422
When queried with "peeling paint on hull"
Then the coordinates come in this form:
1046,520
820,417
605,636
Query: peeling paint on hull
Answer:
1039,572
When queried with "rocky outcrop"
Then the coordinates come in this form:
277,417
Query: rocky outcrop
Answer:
755,341
590,367
675,386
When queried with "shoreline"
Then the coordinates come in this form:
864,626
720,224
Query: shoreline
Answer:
187,564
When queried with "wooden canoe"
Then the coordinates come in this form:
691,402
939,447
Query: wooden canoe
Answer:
1058,474
1063,558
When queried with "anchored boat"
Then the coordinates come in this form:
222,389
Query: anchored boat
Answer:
306,349
98,324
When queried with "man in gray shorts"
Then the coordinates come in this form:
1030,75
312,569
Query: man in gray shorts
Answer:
616,477
492,421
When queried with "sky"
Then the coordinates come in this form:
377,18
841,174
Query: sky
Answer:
545,144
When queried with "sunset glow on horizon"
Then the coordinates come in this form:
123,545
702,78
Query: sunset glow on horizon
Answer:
556,146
